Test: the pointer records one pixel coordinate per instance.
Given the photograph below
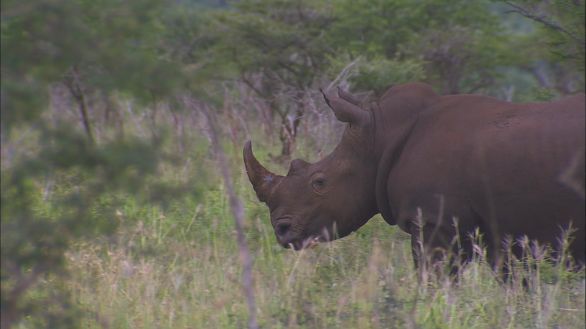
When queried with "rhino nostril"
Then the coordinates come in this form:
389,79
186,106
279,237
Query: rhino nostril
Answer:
282,228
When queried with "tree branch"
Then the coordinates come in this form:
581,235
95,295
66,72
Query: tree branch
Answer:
72,81
237,212
543,20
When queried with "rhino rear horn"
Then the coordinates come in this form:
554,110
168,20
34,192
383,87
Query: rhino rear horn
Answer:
345,108
262,180
348,97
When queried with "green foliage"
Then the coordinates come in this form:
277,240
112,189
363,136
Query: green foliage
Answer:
281,39
114,45
378,74
68,191
67,188
558,37
462,53
562,26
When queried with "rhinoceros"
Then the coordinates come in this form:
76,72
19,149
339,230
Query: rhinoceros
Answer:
441,168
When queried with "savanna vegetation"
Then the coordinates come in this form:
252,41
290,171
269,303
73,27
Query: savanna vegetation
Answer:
118,117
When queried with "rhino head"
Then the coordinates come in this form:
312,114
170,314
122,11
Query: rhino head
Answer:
329,199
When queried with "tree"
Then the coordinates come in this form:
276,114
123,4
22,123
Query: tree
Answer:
560,38
283,49
89,46
277,49
458,46
50,192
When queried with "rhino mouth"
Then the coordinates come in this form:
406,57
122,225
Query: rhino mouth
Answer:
306,243
310,242
288,238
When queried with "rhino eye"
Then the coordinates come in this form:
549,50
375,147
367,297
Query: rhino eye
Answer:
318,184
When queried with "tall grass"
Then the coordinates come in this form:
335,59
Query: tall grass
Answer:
178,266
180,269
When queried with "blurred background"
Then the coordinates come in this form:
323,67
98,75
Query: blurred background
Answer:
113,213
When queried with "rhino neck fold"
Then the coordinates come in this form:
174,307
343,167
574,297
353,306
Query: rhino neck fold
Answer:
387,158
395,117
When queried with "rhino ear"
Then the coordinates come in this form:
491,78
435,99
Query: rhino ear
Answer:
262,180
345,108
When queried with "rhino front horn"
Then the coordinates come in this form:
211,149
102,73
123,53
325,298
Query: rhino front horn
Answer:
262,180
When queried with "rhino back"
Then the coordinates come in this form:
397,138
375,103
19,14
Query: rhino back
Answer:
512,168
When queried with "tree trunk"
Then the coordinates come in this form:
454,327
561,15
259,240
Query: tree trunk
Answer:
74,86
287,139
289,128
238,214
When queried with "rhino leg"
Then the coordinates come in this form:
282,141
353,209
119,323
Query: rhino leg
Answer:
438,249
442,233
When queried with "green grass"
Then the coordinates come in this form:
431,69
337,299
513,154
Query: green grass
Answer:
179,268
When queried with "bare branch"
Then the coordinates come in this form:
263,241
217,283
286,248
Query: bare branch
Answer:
237,212
73,83
543,20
